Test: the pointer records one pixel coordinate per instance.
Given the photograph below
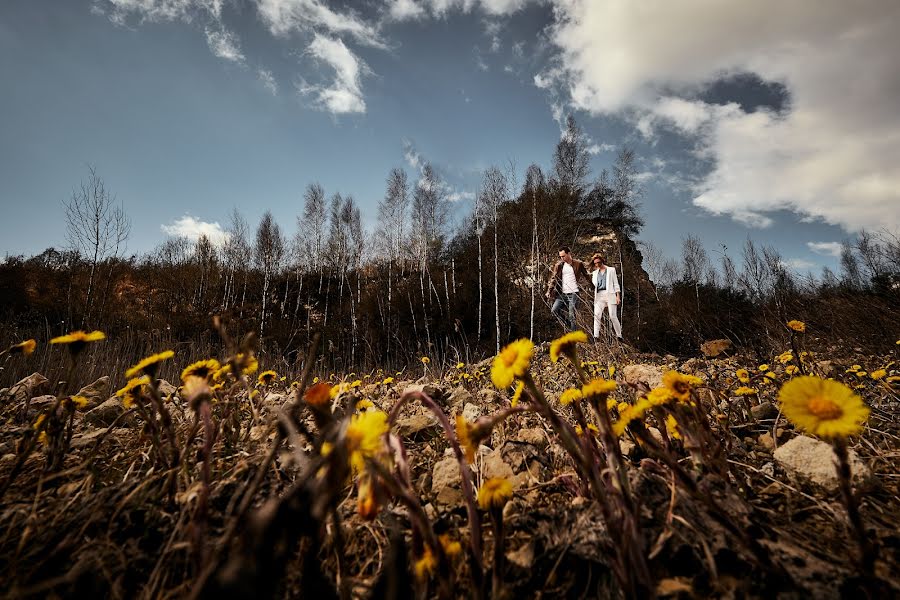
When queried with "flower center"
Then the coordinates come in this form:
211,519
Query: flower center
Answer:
824,408
509,356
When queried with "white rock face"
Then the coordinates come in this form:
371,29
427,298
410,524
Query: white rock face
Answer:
810,460
446,482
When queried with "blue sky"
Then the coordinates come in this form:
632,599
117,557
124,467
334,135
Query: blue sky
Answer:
777,123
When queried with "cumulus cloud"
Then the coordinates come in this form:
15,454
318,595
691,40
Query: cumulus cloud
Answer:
344,95
457,196
224,45
405,10
829,154
287,16
799,264
192,228
826,248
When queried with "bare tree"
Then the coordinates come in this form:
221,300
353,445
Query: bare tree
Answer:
236,254
570,159
494,192
96,228
269,251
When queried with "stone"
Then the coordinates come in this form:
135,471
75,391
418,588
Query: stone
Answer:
714,348
415,425
766,441
690,365
639,375
429,389
471,412
87,438
96,392
41,402
532,435
166,389
810,460
104,414
495,466
459,397
627,447
523,557
27,387
490,398
275,400
764,410
446,482
825,368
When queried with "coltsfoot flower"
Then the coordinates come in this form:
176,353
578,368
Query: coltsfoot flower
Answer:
512,363
566,345
494,493
823,407
150,364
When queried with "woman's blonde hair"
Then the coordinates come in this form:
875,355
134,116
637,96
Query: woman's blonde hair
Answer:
596,256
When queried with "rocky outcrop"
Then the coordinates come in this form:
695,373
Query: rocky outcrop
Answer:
808,460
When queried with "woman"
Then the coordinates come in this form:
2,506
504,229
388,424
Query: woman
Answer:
607,294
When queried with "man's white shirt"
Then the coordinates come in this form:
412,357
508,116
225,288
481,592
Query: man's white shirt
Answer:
569,284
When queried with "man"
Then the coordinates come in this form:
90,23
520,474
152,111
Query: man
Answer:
563,287
607,294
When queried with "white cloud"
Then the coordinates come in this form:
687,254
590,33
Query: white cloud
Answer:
457,196
598,148
192,228
799,264
224,45
826,248
344,95
286,16
268,81
829,156
412,156
405,10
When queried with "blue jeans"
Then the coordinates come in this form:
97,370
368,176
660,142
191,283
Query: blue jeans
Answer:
564,309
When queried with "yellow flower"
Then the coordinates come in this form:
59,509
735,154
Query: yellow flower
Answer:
785,357
426,565
512,363
791,369
80,401
365,436
204,369
879,374
598,387
196,389
367,503
823,407
77,340
743,376
861,374
133,390
745,391
659,396
266,377
364,404
318,395
452,547
425,360
798,326
566,345
356,383
517,395
632,413
466,439
460,365
672,428
764,367
622,406
388,380
771,376
680,385
611,370
569,396
26,347
247,363
494,493
150,364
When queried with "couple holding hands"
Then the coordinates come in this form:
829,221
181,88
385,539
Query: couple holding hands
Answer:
563,289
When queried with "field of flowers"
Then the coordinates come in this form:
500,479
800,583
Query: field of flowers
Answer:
556,470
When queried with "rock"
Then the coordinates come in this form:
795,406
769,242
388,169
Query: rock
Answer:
446,481
471,412
714,348
627,447
690,365
764,410
429,389
414,425
655,434
27,387
275,400
523,557
490,398
766,441
96,391
768,469
495,466
166,389
41,402
642,375
825,368
811,460
104,414
88,438
459,397
532,435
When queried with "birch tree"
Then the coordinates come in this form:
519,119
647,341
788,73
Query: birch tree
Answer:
269,251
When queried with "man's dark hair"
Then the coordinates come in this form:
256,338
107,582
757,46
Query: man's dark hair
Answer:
564,249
